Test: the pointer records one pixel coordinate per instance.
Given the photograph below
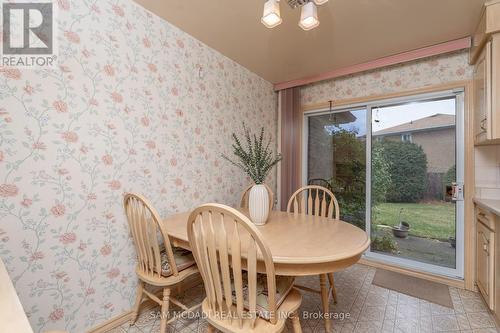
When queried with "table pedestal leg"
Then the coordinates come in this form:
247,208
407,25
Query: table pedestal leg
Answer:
324,300
332,285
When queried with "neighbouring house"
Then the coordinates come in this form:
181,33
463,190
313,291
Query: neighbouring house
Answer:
436,135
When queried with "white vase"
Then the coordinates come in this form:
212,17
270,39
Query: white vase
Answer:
258,204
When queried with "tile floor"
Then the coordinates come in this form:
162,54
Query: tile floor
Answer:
370,309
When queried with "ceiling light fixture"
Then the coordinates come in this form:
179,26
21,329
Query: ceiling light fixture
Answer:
308,15
271,16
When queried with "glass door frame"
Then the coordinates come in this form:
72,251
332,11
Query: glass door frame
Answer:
458,94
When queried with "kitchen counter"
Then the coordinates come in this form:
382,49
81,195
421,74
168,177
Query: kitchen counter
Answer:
492,205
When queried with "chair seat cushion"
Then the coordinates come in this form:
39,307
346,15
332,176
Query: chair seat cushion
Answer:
183,259
284,285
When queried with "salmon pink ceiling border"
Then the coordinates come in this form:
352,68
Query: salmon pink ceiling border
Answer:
454,45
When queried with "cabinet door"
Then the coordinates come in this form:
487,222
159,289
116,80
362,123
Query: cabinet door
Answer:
495,86
482,262
484,242
482,95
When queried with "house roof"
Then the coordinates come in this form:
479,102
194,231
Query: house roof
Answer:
437,121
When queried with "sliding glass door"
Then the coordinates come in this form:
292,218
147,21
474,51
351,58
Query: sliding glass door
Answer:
396,168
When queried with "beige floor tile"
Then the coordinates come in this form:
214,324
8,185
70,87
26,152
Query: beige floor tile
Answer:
425,309
474,305
368,326
348,328
463,321
468,294
486,330
370,308
480,320
445,323
372,313
407,326
390,312
459,308
425,324
437,309
308,326
388,326
408,312
377,298
408,300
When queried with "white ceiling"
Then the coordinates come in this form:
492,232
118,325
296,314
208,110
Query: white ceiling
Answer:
350,31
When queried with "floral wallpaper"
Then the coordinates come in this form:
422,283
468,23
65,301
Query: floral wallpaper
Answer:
134,105
435,70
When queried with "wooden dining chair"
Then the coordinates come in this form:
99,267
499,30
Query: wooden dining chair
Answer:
318,201
246,194
229,250
158,265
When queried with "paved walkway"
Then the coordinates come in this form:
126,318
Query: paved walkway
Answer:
426,250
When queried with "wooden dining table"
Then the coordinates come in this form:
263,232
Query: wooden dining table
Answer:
301,245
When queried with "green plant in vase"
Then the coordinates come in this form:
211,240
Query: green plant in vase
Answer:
255,157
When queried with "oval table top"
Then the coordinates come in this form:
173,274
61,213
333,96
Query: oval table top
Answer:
300,244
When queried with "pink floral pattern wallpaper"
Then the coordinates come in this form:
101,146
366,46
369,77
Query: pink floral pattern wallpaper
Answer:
134,105
435,70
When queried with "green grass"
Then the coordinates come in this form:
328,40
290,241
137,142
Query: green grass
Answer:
430,220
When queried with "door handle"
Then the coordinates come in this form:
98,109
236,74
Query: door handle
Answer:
485,249
457,191
482,124
486,241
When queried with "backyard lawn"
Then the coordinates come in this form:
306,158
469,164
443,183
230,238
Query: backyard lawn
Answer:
431,220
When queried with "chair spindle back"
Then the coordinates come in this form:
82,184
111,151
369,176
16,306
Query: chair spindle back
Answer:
144,224
226,245
314,200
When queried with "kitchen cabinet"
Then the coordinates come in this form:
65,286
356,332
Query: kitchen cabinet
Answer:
485,56
482,98
487,216
485,259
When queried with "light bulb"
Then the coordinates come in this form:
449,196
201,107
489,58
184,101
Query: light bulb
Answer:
271,16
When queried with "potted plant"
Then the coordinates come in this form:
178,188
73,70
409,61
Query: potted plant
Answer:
256,159
401,230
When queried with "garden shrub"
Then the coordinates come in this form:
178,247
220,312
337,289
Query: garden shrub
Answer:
450,176
384,243
382,240
408,169
349,182
381,176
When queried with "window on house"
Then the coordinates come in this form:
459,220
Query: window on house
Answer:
406,137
